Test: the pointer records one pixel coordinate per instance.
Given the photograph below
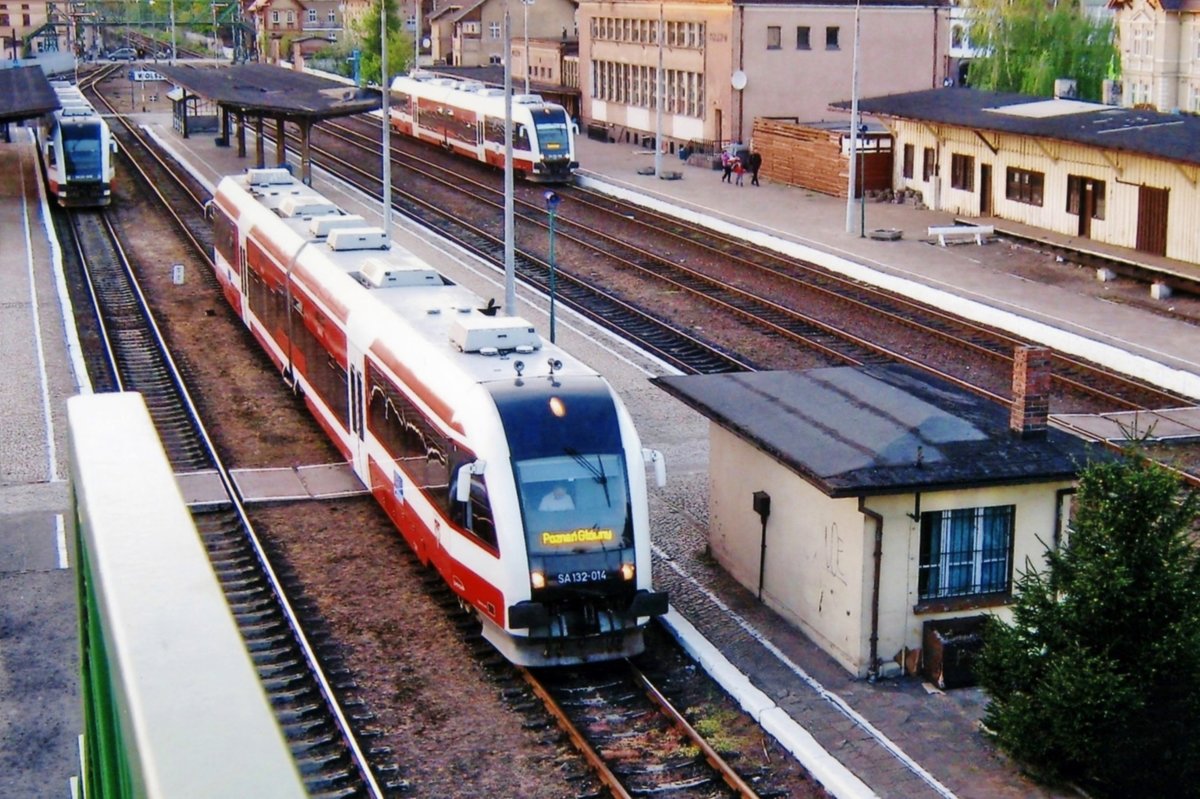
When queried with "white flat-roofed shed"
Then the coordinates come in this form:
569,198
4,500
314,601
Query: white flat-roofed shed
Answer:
863,503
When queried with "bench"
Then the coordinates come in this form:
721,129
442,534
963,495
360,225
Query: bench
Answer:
955,233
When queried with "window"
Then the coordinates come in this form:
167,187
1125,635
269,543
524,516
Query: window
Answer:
802,42
831,38
312,16
494,30
291,17
966,552
332,17
774,37
1024,186
909,158
928,168
275,16
1085,193
962,172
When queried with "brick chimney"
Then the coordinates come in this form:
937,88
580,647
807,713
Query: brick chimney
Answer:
1031,392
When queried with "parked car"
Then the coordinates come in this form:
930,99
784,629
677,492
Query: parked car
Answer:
123,54
163,53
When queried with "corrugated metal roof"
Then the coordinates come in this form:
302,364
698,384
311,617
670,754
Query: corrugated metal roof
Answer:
272,90
25,93
1174,137
855,431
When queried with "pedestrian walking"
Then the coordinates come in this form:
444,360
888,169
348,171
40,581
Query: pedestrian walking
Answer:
755,165
726,166
739,169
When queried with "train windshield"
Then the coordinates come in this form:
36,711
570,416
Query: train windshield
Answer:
569,462
575,502
81,150
551,126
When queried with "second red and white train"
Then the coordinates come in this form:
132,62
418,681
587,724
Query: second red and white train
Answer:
507,464
468,119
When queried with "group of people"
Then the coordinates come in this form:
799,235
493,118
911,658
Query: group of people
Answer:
733,167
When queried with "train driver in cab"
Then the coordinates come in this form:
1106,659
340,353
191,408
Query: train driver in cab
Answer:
557,499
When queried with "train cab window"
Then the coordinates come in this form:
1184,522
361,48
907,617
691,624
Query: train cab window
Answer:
575,502
82,150
520,137
475,515
552,134
225,237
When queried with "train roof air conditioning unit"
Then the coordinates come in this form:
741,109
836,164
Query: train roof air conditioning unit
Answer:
357,238
321,226
305,206
477,333
268,177
528,99
381,274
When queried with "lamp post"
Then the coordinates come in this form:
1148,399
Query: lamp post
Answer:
525,6
862,182
659,90
854,122
552,201
387,122
172,31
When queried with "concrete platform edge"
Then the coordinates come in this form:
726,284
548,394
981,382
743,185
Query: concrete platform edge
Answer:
825,768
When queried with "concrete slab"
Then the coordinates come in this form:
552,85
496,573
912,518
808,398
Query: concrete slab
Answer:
326,481
1174,424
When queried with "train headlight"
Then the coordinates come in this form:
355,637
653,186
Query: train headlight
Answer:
627,571
537,579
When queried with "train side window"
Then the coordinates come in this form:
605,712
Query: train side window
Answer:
475,515
51,155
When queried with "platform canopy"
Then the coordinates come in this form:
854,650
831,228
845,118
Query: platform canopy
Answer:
268,90
25,93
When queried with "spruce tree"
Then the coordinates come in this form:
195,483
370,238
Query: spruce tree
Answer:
1097,679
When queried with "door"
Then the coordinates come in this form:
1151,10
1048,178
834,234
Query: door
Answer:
1087,207
1152,220
355,411
985,189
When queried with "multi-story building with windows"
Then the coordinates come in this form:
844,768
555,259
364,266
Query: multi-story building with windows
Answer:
1160,54
727,62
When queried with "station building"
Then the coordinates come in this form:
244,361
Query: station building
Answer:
878,509
1122,176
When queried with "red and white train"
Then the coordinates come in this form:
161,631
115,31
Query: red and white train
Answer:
78,151
508,465
468,118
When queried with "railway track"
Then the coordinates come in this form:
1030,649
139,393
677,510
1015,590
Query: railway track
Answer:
224,531
311,694
771,289
637,742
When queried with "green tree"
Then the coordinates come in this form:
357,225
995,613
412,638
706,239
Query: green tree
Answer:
1026,45
400,44
1095,681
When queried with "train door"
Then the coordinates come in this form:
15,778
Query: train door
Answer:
243,271
355,411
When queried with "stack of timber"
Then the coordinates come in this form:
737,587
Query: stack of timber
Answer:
802,156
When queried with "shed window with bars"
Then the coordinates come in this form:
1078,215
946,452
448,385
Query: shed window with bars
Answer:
1024,186
962,172
966,552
